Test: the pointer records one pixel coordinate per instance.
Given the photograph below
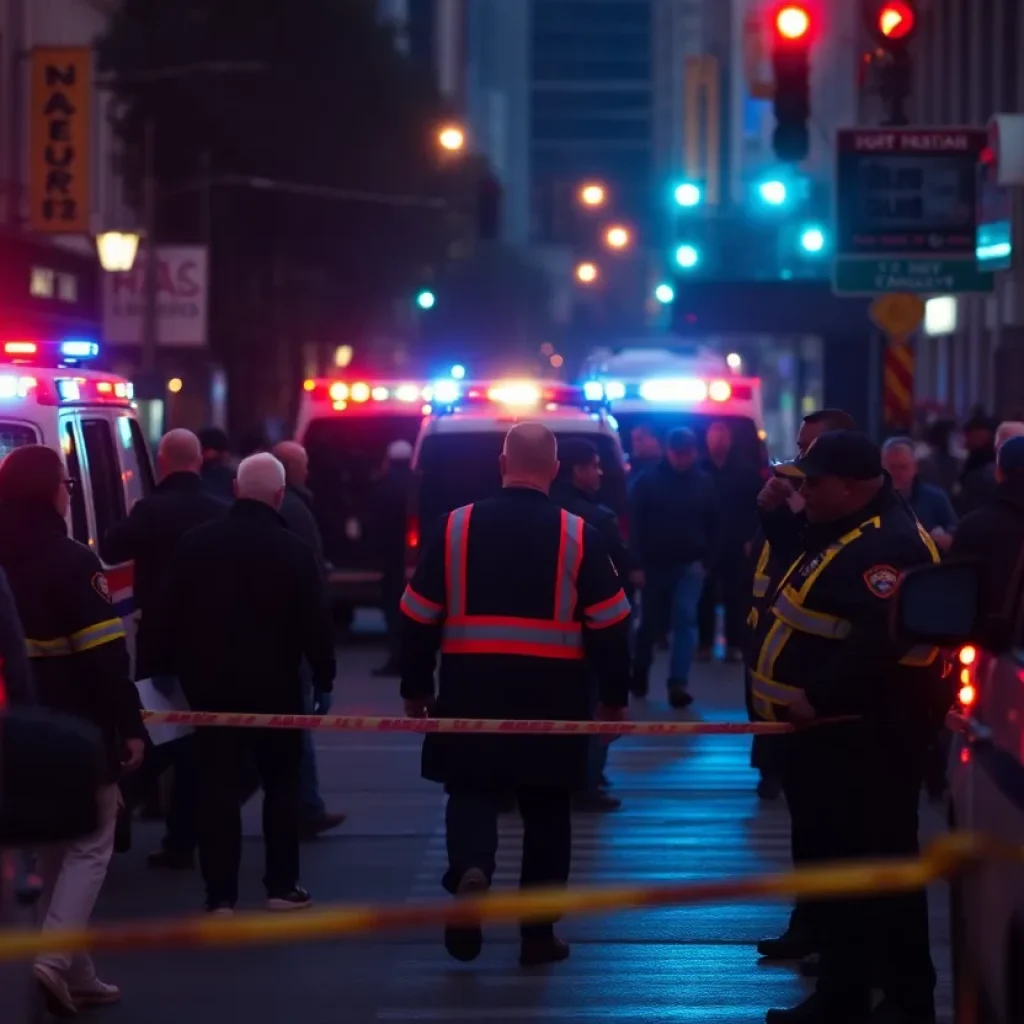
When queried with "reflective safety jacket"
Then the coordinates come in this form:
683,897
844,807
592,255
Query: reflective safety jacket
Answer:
527,611
75,639
822,627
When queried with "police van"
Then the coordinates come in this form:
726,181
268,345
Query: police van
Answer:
455,461
938,604
49,396
659,390
346,426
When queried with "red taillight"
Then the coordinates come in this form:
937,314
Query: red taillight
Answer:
967,656
412,535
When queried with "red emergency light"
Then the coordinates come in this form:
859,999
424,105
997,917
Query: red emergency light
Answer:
793,23
896,20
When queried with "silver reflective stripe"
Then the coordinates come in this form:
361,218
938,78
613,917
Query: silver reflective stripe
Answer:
608,614
493,632
417,607
816,623
570,549
458,528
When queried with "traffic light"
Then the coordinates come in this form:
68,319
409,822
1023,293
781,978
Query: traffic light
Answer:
791,65
488,208
893,24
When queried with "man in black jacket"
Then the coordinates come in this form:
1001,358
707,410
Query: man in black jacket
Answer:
149,537
245,605
76,643
575,489
674,533
217,475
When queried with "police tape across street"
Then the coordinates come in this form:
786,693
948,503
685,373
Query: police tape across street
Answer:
361,723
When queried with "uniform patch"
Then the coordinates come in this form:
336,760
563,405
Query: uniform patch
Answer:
811,566
101,586
882,580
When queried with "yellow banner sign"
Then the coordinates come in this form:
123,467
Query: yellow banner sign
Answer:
60,153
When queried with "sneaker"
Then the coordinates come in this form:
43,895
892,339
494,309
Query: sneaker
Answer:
320,824
55,991
295,899
94,993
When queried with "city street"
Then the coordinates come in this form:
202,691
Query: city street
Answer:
689,812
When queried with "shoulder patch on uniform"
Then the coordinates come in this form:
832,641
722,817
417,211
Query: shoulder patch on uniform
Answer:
101,586
882,580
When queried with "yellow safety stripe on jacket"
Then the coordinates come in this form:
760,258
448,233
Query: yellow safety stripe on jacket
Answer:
761,579
82,640
768,695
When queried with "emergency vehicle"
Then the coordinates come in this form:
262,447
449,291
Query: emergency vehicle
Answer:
662,390
49,396
986,778
346,425
456,456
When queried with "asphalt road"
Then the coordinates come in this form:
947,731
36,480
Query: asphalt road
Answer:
689,812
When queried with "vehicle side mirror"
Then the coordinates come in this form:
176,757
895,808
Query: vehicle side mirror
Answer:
938,604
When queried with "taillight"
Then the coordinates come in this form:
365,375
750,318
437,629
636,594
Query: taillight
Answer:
967,657
412,535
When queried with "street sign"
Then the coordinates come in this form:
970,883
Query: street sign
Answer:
906,210
898,314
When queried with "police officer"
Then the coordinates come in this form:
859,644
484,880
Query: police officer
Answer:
824,651
524,604
76,644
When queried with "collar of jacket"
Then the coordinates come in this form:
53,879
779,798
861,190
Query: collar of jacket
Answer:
1011,491
304,494
180,481
23,524
569,489
825,533
529,493
256,511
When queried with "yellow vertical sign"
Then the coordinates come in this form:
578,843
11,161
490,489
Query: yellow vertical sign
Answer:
702,128
60,196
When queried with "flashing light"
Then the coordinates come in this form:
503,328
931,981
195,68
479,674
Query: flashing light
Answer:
586,273
688,195
452,138
74,348
20,348
515,393
684,389
69,390
812,240
896,20
592,195
614,390
426,299
593,390
343,356
458,372
174,385
719,391
15,387
734,361
338,392
793,23
309,385
379,394
617,237
665,294
407,393
773,192
445,392
687,256
967,695
360,392
968,655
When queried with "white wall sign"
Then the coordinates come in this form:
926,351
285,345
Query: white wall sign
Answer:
182,294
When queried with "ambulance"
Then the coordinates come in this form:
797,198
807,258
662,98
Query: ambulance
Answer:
660,390
456,456
48,395
346,425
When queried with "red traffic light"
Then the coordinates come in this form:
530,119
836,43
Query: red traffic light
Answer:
792,22
896,20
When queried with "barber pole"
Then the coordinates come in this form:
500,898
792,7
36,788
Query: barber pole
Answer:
898,384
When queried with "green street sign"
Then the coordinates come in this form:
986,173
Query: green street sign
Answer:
860,276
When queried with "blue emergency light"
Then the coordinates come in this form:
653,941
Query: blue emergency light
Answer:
76,348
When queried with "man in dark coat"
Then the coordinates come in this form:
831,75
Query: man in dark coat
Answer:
297,512
217,475
524,605
244,606
149,537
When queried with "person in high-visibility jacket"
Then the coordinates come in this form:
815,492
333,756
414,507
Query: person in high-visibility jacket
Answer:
824,650
523,603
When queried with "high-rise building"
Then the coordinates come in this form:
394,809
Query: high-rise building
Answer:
432,33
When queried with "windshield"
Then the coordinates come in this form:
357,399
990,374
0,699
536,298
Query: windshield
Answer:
346,456
457,469
746,445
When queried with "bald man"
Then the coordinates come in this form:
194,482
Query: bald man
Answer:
524,605
149,537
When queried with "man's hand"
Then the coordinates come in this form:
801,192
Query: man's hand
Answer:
801,709
638,578
135,751
419,707
774,494
321,702
943,540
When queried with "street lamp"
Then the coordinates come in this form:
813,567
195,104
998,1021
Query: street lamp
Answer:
586,273
592,195
117,250
452,138
617,237
665,293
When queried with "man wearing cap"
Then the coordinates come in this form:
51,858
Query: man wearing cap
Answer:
217,475
389,521
995,535
824,651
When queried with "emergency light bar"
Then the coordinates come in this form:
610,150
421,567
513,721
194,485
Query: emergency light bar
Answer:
666,390
343,394
67,390
49,354
511,394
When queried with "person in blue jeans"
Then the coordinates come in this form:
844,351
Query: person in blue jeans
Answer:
673,533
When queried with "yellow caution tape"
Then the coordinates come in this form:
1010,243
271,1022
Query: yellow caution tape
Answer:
943,858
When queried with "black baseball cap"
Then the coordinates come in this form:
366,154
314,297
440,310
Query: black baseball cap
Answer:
844,453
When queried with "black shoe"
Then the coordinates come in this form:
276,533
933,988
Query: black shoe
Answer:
320,824
538,952
818,1009
678,696
789,945
170,860
769,787
595,802
464,940
890,1012
639,687
810,966
123,832
389,670
295,898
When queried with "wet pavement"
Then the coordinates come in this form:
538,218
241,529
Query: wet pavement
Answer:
689,812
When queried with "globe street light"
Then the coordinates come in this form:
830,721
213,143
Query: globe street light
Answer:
665,294
586,273
452,138
617,237
592,195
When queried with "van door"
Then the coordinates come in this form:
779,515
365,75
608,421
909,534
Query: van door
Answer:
136,467
81,497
